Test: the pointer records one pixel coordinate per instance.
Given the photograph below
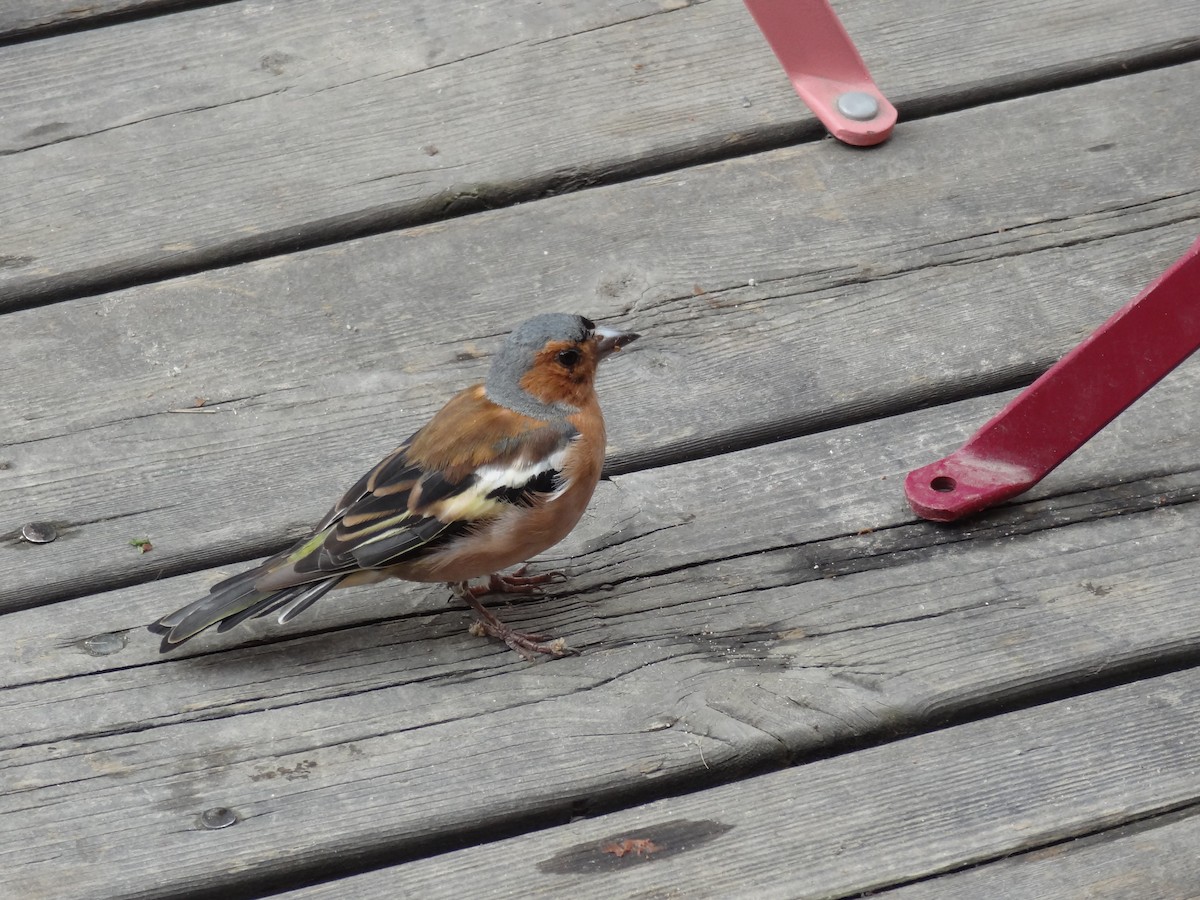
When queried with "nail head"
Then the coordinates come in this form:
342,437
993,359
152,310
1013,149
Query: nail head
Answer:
39,532
218,817
104,644
858,105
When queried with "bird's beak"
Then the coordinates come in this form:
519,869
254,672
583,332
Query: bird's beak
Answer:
609,340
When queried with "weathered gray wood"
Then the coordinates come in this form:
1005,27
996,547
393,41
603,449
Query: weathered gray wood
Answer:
243,128
26,18
653,541
883,281
835,498
867,820
723,645
1156,858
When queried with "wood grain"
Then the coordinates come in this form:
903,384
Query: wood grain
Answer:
22,19
867,820
1150,858
882,283
253,128
720,638
764,624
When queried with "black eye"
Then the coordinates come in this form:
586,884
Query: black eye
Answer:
568,357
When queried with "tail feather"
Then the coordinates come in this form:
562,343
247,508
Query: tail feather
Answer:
264,604
233,601
307,599
292,601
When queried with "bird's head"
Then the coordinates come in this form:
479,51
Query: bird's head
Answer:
549,363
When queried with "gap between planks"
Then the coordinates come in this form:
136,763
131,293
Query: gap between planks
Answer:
474,199
899,307
1146,857
20,24
870,820
732,135
1001,619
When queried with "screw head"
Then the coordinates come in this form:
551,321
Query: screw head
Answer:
104,644
858,105
39,532
218,817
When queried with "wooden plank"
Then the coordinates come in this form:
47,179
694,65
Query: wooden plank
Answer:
22,19
721,636
249,128
864,821
1154,858
846,514
321,362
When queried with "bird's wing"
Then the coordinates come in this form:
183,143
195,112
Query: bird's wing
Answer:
466,466
457,472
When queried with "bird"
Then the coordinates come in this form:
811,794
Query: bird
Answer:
499,474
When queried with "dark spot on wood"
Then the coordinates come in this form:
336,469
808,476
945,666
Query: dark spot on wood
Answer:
55,129
15,262
1098,590
667,839
1100,148
430,149
748,650
274,62
290,773
620,284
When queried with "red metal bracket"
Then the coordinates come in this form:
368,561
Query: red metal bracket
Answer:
825,68
1074,398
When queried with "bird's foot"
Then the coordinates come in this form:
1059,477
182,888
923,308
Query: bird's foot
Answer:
516,583
524,643
488,623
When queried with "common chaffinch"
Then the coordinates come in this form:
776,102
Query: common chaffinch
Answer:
502,472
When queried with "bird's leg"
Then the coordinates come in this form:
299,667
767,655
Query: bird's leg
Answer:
516,583
528,645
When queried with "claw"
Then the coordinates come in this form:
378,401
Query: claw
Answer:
516,583
526,644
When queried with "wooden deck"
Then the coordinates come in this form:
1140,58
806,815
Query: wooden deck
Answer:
318,219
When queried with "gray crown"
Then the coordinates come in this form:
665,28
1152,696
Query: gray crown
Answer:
517,354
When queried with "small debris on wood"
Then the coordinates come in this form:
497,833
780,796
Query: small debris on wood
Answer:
635,846
198,406
143,544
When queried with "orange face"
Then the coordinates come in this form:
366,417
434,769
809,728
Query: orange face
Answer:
563,372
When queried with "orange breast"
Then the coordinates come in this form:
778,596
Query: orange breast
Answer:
522,532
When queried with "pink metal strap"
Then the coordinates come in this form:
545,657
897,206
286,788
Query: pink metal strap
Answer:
825,68
1074,398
